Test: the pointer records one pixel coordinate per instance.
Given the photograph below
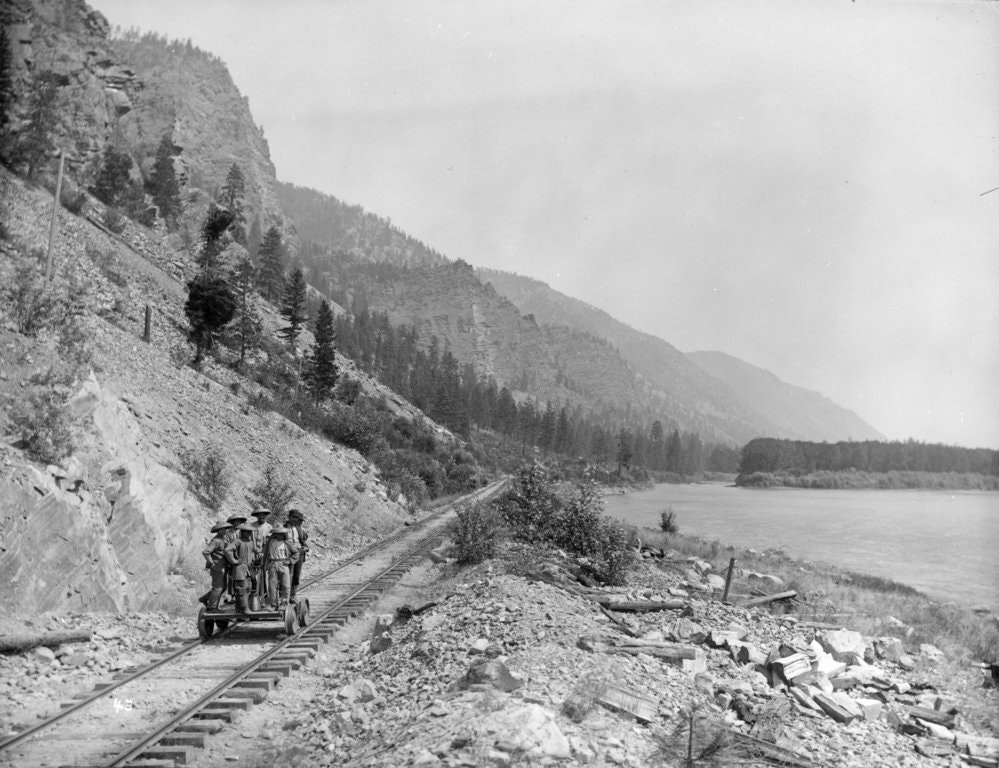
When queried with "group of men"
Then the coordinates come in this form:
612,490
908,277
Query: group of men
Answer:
256,558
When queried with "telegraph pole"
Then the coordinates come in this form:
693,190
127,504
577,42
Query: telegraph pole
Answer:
55,211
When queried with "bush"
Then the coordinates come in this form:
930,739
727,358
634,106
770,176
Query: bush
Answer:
584,695
667,522
208,475
273,492
30,302
475,534
347,390
114,219
41,422
73,200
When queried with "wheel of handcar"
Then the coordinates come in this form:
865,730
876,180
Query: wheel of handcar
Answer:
303,613
289,619
205,626
222,624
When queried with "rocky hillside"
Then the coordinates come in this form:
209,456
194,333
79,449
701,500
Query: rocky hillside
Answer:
798,413
757,405
116,525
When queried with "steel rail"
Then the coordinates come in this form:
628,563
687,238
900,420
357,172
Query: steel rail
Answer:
171,725
109,688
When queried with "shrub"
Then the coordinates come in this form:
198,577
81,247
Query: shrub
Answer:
475,534
667,522
41,422
208,475
32,304
273,492
347,390
114,219
584,695
73,200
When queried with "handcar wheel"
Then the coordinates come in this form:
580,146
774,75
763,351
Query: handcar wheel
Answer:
303,613
205,626
289,620
222,624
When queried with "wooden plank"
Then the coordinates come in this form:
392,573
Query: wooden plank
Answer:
932,716
630,702
833,709
978,746
792,666
619,622
768,598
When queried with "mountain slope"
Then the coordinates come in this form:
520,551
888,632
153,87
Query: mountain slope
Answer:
798,413
774,411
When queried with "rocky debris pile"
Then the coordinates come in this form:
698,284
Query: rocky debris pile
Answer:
33,683
504,669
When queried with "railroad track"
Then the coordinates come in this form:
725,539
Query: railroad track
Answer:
158,714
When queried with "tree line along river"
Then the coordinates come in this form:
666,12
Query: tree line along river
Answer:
943,543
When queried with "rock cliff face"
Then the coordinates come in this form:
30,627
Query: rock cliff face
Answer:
130,92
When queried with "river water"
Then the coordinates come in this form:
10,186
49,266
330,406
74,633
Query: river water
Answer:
943,543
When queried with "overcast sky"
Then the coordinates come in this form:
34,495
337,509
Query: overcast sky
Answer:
799,184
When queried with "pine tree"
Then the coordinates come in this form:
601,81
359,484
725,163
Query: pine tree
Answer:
210,306
213,241
293,308
246,329
35,142
233,192
546,432
8,95
624,449
320,373
113,180
163,183
271,267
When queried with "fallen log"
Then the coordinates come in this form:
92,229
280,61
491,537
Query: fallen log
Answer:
27,640
619,622
768,598
933,716
630,702
687,657
638,606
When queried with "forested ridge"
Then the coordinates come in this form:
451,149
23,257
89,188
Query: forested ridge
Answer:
769,461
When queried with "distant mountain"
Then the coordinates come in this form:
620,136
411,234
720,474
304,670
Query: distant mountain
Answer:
798,413
709,388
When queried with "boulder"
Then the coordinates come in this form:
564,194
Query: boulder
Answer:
843,645
492,673
529,729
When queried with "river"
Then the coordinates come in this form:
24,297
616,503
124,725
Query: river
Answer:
943,543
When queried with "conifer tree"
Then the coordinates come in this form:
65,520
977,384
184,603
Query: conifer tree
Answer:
246,329
271,267
320,373
163,183
113,179
546,431
213,240
8,95
293,308
210,306
35,142
233,192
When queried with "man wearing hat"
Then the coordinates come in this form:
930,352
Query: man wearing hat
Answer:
242,554
231,536
217,565
279,556
298,537
261,532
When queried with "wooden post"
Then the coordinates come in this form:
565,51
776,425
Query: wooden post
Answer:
149,320
728,578
55,210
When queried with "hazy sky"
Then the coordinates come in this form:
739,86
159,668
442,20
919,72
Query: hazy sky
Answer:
799,184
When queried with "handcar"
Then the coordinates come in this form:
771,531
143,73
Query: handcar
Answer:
220,618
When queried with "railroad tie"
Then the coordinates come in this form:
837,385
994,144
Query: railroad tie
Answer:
179,755
184,739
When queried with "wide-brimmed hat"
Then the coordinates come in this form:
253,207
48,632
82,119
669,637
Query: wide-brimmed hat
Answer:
278,530
246,527
295,514
236,519
260,511
220,527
